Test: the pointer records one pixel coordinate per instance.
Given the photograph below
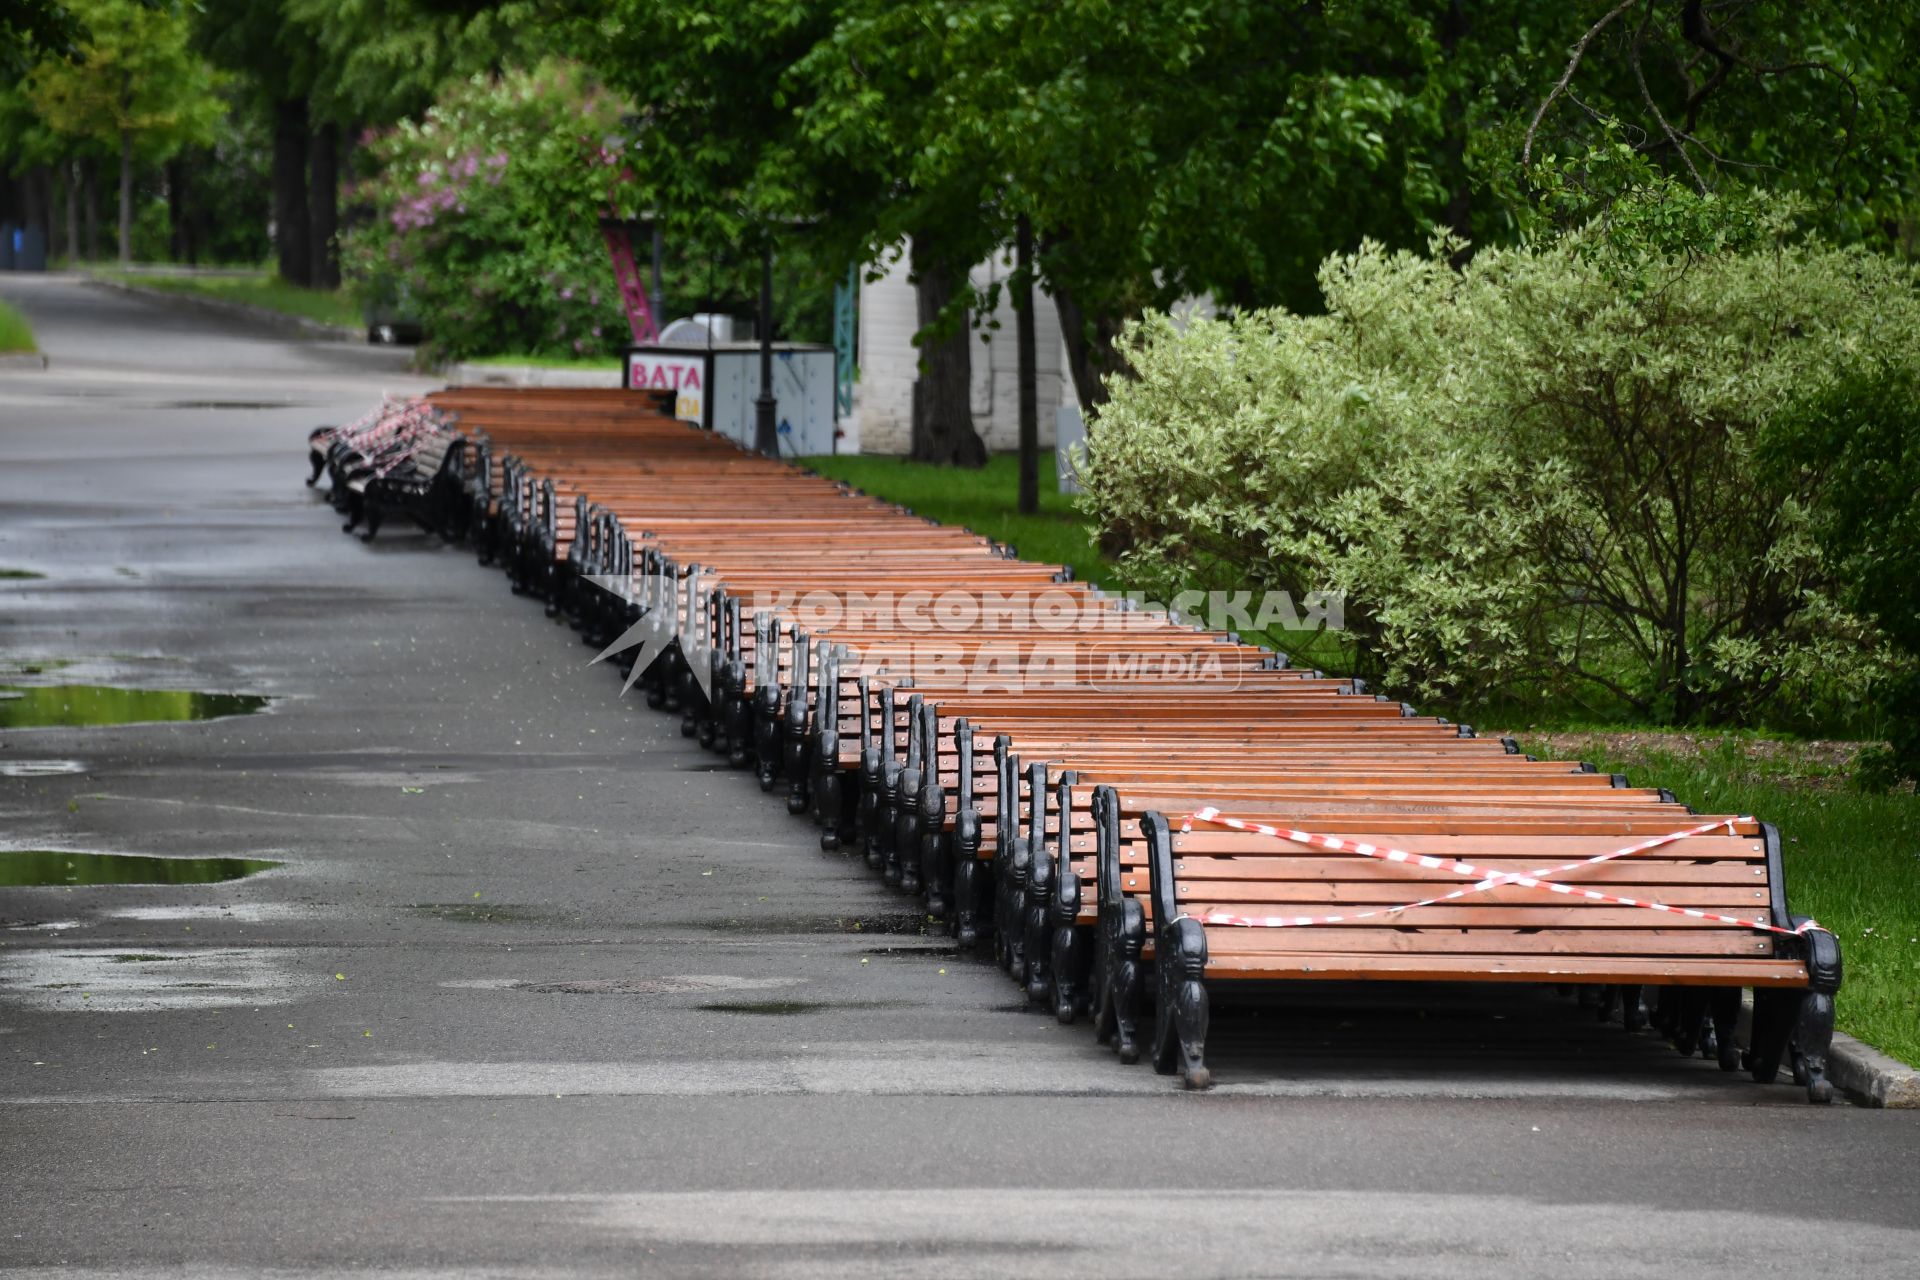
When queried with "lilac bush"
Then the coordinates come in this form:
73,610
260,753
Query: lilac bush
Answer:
486,216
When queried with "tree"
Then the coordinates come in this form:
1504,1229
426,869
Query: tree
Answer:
1783,91
1164,150
1858,441
1029,498
374,62
759,115
275,54
30,29
133,83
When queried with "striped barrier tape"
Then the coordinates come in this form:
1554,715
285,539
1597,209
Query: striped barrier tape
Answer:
1485,877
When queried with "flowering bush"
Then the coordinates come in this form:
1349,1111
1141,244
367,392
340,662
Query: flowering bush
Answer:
1526,478
486,216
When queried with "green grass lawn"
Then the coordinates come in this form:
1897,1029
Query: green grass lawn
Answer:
255,288
1852,860
982,501
551,362
15,334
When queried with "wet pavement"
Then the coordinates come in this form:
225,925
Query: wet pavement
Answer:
535,989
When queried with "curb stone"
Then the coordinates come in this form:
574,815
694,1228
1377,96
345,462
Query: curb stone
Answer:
1870,1077
264,316
24,360
528,375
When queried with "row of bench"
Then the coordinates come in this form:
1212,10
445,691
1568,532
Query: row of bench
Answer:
1128,810
400,459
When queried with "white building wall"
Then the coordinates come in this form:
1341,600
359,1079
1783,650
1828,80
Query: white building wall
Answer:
889,363
883,397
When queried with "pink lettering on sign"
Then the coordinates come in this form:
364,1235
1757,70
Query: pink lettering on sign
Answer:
678,377
649,372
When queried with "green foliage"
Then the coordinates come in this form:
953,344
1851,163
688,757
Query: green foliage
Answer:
486,213
15,333
132,78
275,55
719,133
607,363
386,59
1529,481
1159,148
1814,100
1856,443
152,230
487,217
31,29
1163,150
1632,215
226,200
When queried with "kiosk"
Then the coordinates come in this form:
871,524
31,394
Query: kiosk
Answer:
714,386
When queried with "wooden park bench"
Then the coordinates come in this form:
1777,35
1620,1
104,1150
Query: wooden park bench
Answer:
1211,818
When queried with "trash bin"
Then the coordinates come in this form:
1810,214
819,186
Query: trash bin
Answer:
29,244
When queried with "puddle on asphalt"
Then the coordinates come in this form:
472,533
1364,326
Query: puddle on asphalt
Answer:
480,912
23,867
86,705
102,981
792,1008
409,780
950,952
877,922
626,986
10,667
235,912
231,404
19,575
39,768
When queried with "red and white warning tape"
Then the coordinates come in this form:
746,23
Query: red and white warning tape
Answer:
1487,878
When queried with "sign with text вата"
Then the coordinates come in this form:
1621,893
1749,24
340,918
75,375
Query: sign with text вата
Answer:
684,375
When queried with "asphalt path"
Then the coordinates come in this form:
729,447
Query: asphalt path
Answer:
540,988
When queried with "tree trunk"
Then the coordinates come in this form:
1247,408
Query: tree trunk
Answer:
74,184
943,430
40,201
179,209
349,146
90,179
1091,352
1453,29
1029,373
126,197
323,205
290,227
